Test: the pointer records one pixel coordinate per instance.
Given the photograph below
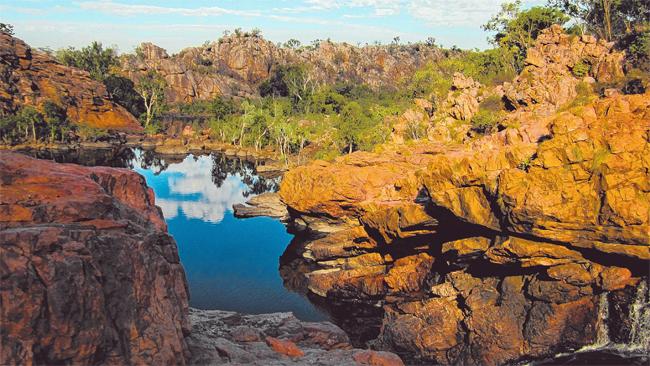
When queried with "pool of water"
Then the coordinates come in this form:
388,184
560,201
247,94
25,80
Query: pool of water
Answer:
231,264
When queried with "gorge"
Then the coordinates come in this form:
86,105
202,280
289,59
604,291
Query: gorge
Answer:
471,222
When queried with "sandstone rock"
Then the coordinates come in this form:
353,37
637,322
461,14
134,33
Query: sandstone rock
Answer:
265,204
89,273
548,78
214,340
236,64
31,77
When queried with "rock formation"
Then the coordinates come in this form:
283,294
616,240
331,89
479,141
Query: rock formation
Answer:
497,250
551,73
224,337
236,64
90,276
89,273
30,77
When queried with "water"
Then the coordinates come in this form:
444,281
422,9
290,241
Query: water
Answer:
231,264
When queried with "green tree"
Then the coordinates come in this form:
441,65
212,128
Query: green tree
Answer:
151,88
29,118
609,19
94,58
55,117
122,91
7,28
351,125
516,29
294,81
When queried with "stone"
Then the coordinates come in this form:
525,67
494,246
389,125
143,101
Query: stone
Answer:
90,274
31,77
284,347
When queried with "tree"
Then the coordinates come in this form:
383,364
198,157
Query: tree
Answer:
28,118
609,19
517,29
122,91
351,125
151,87
292,43
7,28
294,81
94,58
56,118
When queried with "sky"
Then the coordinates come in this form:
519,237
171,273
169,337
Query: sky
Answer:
175,25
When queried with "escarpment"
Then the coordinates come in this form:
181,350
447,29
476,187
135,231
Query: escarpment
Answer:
89,273
32,77
235,65
499,249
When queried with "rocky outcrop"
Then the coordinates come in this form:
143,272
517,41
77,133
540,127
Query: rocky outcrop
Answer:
89,273
236,64
265,204
31,77
488,252
557,63
223,337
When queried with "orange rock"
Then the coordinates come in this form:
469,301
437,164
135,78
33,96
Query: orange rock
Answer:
284,347
376,358
37,77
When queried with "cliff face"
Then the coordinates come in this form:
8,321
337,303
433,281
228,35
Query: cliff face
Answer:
499,249
89,274
30,77
236,65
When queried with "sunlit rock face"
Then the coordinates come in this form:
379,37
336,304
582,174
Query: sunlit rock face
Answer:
236,65
486,253
89,273
31,77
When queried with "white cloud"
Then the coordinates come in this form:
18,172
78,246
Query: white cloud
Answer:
203,199
458,12
121,9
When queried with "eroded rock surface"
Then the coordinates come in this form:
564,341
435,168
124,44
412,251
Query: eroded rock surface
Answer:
236,64
492,251
224,337
89,273
31,77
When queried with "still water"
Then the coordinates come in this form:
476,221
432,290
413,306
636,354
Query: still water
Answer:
231,264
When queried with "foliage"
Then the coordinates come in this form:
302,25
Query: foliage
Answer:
122,91
609,19
28,124
294,81
7,28
94,58
490,112
637,48
581,69
517,29
151,88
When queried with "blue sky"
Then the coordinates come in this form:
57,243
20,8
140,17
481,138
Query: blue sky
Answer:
177,24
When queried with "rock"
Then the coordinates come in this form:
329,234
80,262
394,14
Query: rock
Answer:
376,358
547,77
272,339
284,347
490,252
31,77
265,204
90,275
236,64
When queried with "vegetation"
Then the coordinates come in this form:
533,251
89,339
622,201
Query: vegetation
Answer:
517,29
94,58
7,29
29,124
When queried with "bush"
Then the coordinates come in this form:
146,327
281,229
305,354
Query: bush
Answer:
485,121
581,69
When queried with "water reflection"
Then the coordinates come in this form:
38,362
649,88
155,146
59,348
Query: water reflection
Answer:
230,264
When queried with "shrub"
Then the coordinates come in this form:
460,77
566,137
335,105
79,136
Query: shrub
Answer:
581,69
485,121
